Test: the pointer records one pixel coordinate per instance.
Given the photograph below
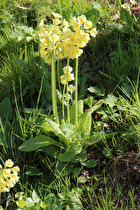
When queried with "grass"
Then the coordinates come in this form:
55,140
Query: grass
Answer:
110,64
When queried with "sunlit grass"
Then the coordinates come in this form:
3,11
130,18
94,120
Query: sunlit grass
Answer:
111,61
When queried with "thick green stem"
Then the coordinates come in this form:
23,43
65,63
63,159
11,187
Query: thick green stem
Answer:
76,93
53,83
63,113
68,110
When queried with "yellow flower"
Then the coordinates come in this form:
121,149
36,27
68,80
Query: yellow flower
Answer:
60,55
2,185
133,2
14,177
63,81
65,24
78,52
56,15
4,189
9,163
86,37
70,77
67,68
9,183
76,26
73,21
87,24
69,96
56,21
93,32
64,78
81,19
54,37
71,88
16,169
0,166
6,172
1,180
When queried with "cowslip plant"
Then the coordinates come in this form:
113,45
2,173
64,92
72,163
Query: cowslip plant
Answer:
61,40
64,40
8,176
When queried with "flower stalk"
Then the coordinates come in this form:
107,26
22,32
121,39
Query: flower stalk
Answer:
76,93
53,84
68,111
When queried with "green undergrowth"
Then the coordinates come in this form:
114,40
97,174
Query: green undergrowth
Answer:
98,170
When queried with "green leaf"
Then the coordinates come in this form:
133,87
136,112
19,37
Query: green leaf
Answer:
90,163
96,90
82,180
110,100
136,27
29,38
21,203
37,142
84,123
75,202
115,25
108,153
72,111
51,126
51,150
89,101
94,138
74,149
68,129
125,16
34,172
93,15
35,197
6,108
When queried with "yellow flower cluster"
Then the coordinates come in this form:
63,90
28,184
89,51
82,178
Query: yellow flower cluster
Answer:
66,76
64,39
8,176
45,11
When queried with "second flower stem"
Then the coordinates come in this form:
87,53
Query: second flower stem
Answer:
68,111
53,83
76,93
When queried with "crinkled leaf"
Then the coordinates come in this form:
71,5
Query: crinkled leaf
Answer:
51,126
75,203
74,149
110,100
125,16
84,123
68,129
51,150
37,142
72,111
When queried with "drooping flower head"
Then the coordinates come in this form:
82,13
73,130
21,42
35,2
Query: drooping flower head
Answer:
64,39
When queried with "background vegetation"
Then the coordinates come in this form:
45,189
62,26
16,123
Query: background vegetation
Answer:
106,174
